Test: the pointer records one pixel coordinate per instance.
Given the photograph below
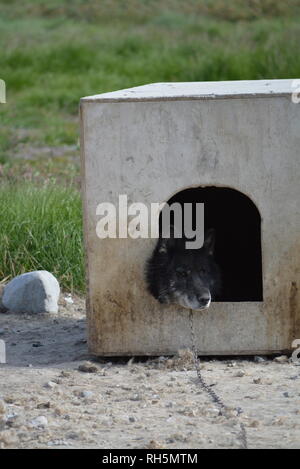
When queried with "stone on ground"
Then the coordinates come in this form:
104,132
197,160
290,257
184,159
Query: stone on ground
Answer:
33,292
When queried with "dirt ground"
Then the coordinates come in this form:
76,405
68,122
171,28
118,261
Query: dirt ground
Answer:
53,395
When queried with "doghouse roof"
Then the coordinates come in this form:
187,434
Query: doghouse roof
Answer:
200,90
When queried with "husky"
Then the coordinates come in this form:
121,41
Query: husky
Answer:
186,277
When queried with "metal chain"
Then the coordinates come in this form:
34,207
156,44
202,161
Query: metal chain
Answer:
215,398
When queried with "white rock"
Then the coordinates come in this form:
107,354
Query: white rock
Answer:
213,411
281,359
69,299
87,394
50,385
239,374
58,443
33,292
40,421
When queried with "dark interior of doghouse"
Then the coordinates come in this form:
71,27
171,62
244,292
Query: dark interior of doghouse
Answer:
237,224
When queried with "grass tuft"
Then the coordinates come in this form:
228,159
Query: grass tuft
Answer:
41,229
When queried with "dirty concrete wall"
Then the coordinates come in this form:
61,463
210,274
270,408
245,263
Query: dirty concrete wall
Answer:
151,150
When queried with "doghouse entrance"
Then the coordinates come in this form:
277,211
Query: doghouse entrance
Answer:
237,224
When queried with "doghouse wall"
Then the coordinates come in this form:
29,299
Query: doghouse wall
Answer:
152,150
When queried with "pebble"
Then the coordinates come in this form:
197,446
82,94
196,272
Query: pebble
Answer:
9,400
88,367
7,438
230,412
257,380
50,385
278,421
2,407
65,374
58,443
106,421
162,358
179,437
253,423
44,405
136,397
69,299
37,344
188,412
40,421
108,365
213,411
268,381
13,420
73,435
86,394
258,359
154,444
281,359
239,374
3,420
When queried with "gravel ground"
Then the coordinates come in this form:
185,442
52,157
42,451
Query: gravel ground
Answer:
53,395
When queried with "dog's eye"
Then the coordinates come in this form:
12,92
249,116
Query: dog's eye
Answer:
181,272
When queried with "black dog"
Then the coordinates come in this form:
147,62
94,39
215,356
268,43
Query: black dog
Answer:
186,277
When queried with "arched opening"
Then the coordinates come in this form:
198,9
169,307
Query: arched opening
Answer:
237,225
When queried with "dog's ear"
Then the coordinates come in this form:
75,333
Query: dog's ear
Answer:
167,244
210,241
163,245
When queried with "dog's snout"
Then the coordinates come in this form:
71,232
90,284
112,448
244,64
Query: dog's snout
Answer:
203,299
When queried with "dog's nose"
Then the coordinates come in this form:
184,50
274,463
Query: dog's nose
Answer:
203,300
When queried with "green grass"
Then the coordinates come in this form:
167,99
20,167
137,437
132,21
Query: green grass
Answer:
41,229
55,51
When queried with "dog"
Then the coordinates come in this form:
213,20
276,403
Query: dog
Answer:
186,277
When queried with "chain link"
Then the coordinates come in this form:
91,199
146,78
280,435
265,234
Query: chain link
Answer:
213,395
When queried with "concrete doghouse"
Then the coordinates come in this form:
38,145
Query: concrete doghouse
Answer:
150,143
